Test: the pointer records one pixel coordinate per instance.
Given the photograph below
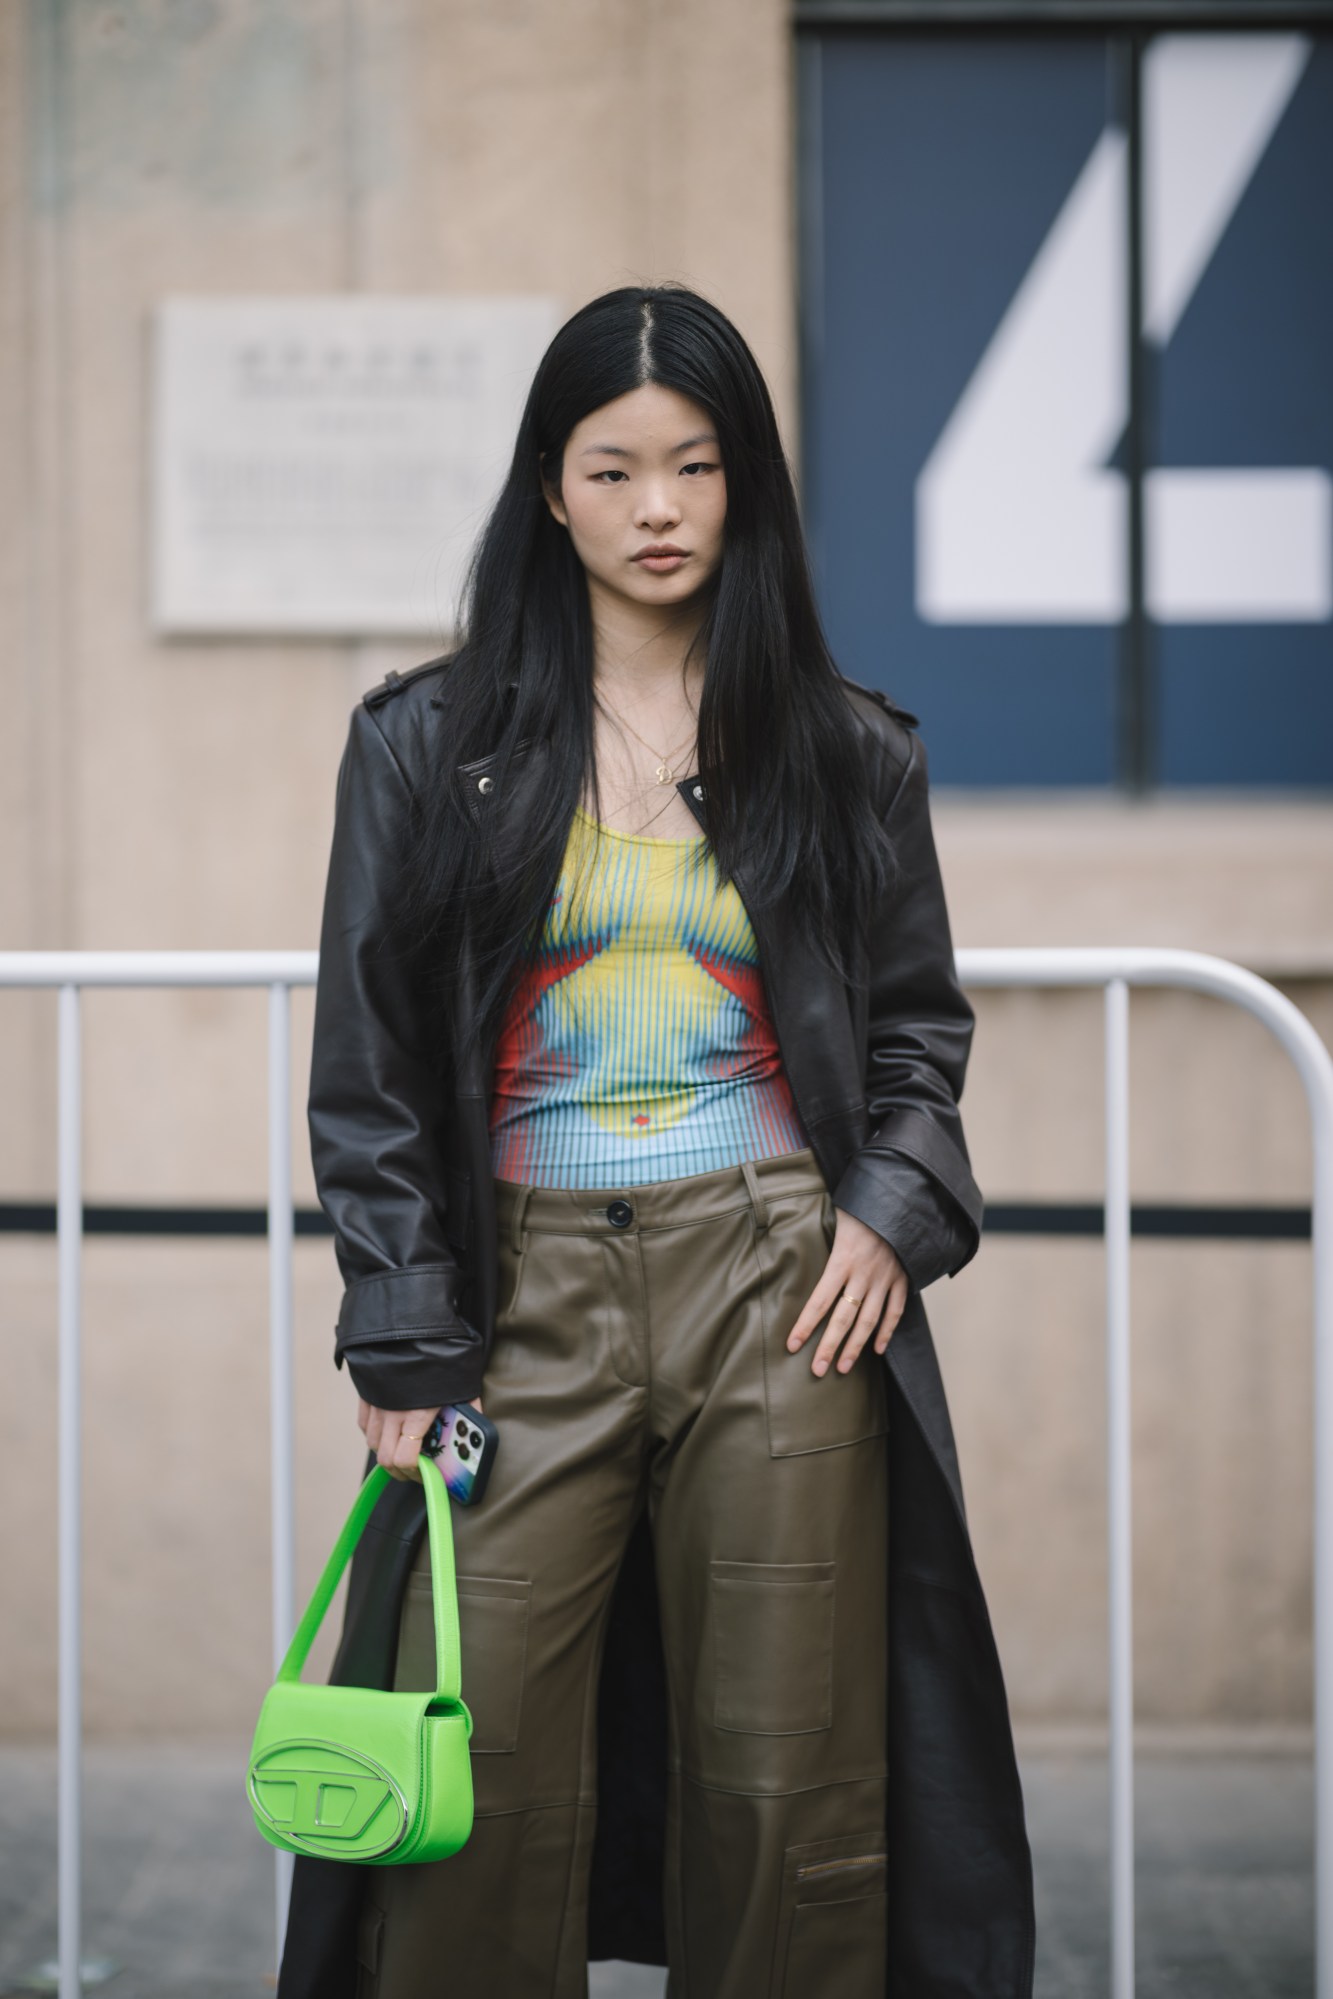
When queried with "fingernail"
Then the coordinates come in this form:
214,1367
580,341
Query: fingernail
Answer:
819,1367
793,1346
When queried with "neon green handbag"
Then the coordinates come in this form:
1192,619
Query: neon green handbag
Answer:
355,1773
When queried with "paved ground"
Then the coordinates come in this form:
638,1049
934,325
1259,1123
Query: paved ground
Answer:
179,1887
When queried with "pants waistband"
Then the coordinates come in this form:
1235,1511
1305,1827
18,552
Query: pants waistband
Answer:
661,1204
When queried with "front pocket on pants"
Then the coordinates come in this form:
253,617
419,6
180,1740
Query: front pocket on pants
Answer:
772,1646
809,1412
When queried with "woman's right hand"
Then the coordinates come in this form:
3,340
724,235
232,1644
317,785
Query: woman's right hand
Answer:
395,1435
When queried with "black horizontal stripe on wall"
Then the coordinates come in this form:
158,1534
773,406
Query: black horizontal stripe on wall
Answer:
1103,16
1176,1221
100,1218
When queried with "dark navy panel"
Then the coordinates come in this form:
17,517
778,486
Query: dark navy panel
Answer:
1247,705
1247,380
941,166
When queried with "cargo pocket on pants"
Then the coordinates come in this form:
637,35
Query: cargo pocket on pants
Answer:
833,1934
493,1641
493,1634
772,1646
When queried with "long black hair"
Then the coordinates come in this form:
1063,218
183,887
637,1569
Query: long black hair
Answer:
786,800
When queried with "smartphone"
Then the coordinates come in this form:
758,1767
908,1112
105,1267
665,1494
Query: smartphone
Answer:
463,1443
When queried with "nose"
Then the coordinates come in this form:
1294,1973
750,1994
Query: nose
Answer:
659,507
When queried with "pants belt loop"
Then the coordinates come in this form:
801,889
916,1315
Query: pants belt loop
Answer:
757,1201
516,1224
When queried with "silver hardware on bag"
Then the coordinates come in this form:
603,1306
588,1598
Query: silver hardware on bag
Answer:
485,783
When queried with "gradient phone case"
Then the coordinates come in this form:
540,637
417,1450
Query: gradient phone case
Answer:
463,1444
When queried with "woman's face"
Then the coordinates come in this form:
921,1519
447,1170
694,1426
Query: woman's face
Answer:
641,473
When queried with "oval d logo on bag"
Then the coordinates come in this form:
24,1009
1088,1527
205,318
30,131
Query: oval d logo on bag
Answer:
328,1798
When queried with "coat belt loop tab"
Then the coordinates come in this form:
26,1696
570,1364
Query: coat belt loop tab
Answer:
516,1225
757,1201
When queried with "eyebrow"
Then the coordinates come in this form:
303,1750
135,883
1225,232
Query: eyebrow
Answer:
619,451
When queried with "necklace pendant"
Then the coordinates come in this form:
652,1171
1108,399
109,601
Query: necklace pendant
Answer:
664,773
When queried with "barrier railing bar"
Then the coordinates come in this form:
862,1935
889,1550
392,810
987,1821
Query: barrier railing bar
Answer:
41,970
69,1694
1119,1493
282,1386
1025,967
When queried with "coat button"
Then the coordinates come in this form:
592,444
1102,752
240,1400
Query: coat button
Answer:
485,783
698,791
620,1214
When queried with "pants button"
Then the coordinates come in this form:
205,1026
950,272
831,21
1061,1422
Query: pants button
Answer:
619,1213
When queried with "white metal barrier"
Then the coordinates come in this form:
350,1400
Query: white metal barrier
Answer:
69,972
1115,970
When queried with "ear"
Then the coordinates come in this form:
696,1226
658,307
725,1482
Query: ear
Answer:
551,495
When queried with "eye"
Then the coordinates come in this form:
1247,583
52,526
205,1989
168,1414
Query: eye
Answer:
611,472
699,465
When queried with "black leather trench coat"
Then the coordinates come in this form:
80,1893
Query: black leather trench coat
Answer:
402,1164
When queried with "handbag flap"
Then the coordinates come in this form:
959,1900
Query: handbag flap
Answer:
340,1771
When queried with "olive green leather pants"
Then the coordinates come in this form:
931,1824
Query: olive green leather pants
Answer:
645,1363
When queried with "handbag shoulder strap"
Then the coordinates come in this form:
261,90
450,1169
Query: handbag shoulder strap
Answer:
444,1589
443,1584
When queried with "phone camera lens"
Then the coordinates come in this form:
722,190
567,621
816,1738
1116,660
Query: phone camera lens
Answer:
460,1428
464,1453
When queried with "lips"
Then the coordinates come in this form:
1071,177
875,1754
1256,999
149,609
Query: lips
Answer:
662,556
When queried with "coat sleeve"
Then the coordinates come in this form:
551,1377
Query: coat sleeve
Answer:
376,1110
911,1181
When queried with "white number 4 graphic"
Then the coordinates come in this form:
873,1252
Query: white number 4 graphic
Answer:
1018,519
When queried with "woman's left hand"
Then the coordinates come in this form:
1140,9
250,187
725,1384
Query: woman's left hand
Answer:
864,1288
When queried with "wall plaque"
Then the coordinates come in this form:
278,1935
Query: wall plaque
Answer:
322,465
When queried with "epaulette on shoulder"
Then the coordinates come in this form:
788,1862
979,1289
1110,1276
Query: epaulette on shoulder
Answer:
903,715
394,683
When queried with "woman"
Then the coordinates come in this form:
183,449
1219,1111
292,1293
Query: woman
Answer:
638,1050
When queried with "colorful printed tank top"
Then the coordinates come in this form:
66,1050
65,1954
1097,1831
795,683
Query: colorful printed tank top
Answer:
639,1045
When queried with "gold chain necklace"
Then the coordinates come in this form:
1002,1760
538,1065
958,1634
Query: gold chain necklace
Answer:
665,771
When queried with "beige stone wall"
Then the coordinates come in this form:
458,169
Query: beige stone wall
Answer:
180,794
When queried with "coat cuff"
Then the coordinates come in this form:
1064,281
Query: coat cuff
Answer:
913,1187
415,1300
417,1372
404,1341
